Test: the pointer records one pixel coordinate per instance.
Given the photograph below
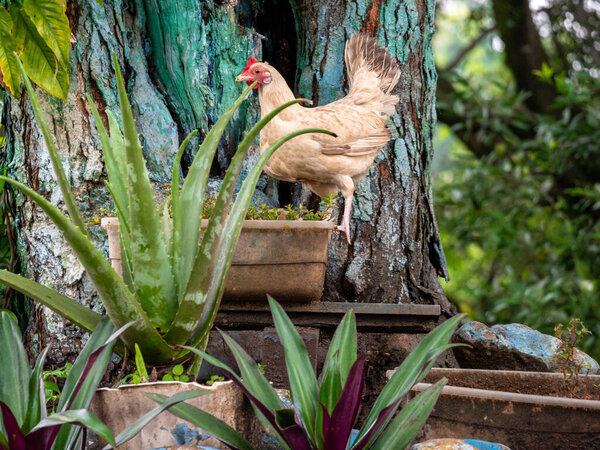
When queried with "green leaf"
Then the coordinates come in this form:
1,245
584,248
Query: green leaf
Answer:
63,183
207,422
303,382
410,419
79,417
186,227
120,304
36,405
65,306
229,236
9,67
140,364
150,262
344,345
52,24
14,369
412,369
133,429
42,66
100,2
253,378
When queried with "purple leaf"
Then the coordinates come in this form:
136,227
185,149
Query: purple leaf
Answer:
344,414
293,435
16,440
383,416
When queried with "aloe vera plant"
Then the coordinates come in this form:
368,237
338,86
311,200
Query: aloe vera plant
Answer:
173,275
23,421
325,409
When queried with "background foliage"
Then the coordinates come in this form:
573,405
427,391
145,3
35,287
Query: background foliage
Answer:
517,163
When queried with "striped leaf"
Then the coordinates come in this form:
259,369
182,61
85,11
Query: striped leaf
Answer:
50,20
9,67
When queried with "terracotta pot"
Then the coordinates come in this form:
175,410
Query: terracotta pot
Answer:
118,408
284,258
524,410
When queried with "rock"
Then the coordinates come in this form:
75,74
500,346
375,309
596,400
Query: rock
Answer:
458,444
511,347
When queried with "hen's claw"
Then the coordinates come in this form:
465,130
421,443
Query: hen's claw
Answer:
346,230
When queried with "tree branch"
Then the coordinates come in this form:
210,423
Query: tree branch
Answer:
460,55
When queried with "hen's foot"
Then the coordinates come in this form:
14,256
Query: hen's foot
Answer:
346,230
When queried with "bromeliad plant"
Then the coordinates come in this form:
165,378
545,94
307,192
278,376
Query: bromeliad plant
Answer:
325,410
173,276
23,421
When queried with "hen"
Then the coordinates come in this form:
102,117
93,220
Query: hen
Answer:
323,163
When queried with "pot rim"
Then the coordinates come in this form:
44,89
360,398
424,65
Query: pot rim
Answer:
503,396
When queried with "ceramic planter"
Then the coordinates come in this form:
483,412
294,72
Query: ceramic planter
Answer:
523,410
284,258
118,408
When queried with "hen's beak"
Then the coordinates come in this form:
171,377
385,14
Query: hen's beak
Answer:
243,77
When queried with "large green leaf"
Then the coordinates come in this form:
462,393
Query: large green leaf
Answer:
42,66
207,422
150,262
229,236
410,420
120,304
63,183
9,67
301,375
14,368
51,22
412,369
186,223
65,306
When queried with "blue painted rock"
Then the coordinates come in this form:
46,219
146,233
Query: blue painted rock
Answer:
458,444
511,347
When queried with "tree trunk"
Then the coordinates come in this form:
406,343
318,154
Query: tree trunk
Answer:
180,58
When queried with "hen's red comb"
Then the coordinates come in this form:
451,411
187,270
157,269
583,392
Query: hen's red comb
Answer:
250,63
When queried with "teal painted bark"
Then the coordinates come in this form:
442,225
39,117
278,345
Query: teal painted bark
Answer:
180,58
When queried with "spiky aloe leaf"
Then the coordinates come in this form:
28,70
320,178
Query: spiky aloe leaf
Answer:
65,306
196,295
193,301
150,263
208,422
120,304
186,226
63,183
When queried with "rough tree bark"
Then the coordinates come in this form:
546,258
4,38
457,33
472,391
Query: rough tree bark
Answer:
180,58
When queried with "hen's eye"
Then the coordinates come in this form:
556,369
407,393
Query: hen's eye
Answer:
257,71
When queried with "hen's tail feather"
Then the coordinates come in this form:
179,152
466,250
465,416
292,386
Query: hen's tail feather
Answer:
363,51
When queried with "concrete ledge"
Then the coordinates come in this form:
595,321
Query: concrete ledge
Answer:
369,316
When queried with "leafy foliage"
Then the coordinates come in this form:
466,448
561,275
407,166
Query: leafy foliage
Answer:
173,277
38,31
325,409
518,198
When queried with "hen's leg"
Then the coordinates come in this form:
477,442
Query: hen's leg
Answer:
346,185
345,226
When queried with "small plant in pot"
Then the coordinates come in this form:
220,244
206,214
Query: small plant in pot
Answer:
173,275
324,410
